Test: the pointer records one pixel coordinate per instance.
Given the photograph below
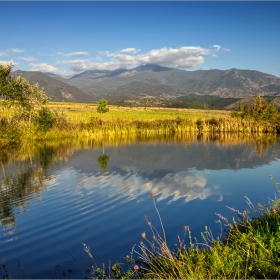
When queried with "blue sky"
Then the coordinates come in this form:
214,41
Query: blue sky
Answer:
70,37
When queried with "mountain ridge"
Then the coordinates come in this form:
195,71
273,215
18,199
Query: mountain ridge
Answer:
231,83
154,85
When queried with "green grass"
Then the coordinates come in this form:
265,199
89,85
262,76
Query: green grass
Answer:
82,120
249,250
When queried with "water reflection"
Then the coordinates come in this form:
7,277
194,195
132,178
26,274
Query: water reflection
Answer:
163,165
172,186
103,162
15,188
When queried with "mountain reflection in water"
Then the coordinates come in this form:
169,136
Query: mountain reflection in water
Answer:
51,183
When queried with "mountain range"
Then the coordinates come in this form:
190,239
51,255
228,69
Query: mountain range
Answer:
150,85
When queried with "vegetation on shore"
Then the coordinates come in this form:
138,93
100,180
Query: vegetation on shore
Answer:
57,121
248,248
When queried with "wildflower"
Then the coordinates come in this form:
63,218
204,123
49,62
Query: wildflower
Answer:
146,217
149,223
144,234
141,242
245,212
274,210
186,228
88,269
152,195
136,267
250,268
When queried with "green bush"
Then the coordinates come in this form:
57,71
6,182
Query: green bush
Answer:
44,119
102,106
10,131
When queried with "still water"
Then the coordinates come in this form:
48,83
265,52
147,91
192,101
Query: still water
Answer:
57,195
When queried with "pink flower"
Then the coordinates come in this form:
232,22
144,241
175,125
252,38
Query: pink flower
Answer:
274,210
136,267
88,269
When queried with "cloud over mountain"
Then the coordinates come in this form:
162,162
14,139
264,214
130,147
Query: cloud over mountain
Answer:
183,58
43,67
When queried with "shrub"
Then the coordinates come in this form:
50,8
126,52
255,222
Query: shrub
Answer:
44,119
102,106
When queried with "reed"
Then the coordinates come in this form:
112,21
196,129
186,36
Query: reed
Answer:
81,120
249,249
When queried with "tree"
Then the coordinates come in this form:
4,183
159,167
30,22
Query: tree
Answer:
102,106
263,110
17,92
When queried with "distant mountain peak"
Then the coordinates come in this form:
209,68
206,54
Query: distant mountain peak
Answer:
152,67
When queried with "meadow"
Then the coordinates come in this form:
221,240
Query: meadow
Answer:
67,120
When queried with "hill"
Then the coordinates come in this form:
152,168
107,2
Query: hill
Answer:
55,88
156,82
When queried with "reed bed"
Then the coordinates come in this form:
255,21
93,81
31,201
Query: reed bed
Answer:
82,120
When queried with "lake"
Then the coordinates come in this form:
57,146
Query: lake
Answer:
55,196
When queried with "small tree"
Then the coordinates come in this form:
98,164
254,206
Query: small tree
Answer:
102,106
17,92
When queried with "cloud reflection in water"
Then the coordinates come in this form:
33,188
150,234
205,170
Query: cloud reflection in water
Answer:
172,186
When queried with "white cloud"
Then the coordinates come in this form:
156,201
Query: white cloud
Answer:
43,67
116,61
28,59
216,47
74,54
226,50
183,57
129,50
3,54
15,50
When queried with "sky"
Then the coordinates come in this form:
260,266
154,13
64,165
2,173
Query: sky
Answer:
70,37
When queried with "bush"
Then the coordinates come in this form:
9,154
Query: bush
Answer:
10,131
44,119
102,106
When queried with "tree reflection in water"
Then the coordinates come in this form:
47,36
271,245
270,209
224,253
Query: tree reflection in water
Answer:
18,188
103,161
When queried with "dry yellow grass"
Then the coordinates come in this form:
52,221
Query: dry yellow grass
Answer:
84,111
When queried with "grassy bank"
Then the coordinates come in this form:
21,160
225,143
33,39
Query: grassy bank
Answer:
248,249
67,120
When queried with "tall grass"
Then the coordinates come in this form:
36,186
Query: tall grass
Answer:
71,121
249,249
